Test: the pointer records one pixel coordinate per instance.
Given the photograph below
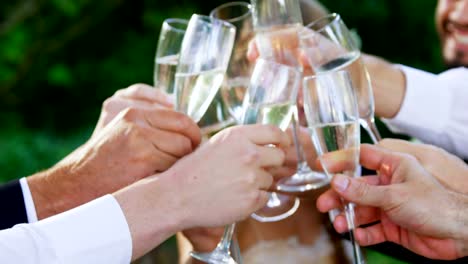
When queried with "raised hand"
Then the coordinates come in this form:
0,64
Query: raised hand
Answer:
223,181
412,207
451,171
136,136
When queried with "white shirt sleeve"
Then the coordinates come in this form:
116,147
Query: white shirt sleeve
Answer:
435,109
28,201
96,232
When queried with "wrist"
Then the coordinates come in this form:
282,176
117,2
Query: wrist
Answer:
389,86
459,212
59,188
48,194
151,210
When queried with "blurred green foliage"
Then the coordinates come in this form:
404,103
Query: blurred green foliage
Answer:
59,59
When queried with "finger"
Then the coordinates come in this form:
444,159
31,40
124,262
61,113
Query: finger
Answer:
117,104
361,192
262,199
423,153
338,161
264,179
168,142
147,93
370,235
328,201
364,215
252,52
332,200
265,135
270,156
281,172
173,121
161,160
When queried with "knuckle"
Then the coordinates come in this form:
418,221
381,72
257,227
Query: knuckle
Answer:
184,123
130,114
385,142
108,104
136,88
250,179
251,156
361,189
276,131
183,145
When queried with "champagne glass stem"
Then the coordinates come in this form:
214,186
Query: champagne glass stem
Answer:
225,242
358,257
369,125
301,163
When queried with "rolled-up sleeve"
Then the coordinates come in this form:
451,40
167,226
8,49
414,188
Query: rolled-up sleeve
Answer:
96,232
435,109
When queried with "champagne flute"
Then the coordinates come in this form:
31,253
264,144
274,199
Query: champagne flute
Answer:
277,23
328,46
240,69
204,57
167,53
331,110
270,99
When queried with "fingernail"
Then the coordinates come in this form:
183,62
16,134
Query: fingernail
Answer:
341,182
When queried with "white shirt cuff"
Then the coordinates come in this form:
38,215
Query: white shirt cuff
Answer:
96,232
423,103
28,201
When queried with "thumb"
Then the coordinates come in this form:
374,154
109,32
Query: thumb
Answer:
360,192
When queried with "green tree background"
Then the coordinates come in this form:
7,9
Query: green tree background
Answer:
59,59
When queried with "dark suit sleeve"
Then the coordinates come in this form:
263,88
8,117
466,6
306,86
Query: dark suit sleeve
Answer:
12,208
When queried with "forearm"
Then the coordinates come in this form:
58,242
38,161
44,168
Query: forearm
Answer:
459,213
66,185
389,86
150,227
52,196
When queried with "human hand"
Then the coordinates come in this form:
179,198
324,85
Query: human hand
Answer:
445,167
141,140
222,182
291,162
140,96
235,159
429,225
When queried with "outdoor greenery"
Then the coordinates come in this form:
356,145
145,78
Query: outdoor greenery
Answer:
59,59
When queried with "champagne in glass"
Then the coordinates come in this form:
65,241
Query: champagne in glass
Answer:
164,72
329,45
278,114
167,53
204,57
271,99
277,23
330,104
197,91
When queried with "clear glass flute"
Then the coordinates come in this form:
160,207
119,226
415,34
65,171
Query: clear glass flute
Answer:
270,99
331,110
204,57
329,46
167,53
240,68
277,23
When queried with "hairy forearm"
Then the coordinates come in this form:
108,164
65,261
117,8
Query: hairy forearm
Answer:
60,188
389,86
